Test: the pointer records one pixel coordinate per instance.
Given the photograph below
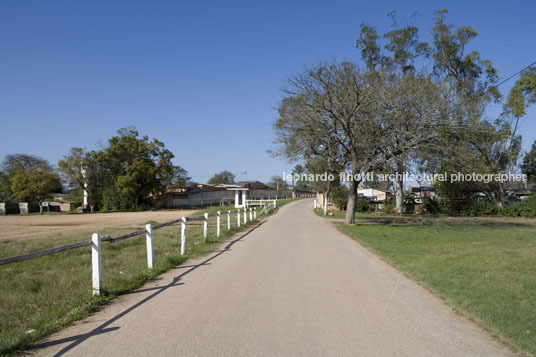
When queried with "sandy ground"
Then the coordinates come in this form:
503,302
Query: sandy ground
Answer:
293,286
20,227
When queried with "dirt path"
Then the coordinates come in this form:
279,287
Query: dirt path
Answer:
20,227
294,286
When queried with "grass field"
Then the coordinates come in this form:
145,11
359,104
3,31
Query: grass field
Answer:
484,268
41,295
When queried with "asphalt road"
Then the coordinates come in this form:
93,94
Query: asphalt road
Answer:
293,286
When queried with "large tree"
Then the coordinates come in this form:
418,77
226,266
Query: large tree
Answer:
12,164
124,172
35,185
337,104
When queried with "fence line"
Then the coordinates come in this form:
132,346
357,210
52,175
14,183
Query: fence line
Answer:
96,240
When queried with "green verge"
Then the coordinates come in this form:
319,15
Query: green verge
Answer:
42,295
484,268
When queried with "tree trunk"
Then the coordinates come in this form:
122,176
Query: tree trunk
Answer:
399,187
498,195
350,208
40,207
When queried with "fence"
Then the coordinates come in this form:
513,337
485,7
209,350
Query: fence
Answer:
242,217
260,202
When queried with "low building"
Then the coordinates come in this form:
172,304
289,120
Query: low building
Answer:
373,194
197,195
420,193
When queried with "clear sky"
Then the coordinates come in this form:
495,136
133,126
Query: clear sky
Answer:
203,77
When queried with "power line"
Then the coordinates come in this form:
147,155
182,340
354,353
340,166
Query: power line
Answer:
515,74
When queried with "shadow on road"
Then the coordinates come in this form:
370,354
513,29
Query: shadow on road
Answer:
78,339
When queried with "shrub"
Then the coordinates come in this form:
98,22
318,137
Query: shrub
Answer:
389,207
340,196
525,208
363,205
433,206
480,208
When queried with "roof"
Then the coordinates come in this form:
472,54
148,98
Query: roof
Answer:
257,185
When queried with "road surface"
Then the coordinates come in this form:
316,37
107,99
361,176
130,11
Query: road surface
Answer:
293,286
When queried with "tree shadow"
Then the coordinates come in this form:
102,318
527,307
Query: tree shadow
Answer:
103,328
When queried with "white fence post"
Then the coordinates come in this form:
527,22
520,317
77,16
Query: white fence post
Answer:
250,214
238,217
96,263
149,239
218,220
255,213
228,220
183,235
245,216
205,227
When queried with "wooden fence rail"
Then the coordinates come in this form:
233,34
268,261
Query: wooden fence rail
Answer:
96,240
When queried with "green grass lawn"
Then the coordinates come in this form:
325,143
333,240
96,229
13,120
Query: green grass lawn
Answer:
484,268
41,295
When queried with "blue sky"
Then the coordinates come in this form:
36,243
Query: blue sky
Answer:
203,77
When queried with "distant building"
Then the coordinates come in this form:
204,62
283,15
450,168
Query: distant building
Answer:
373,194
197,195
419,193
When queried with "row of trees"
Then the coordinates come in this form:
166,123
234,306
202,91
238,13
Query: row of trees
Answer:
118,176
410,104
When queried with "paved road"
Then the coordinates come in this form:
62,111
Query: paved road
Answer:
294,286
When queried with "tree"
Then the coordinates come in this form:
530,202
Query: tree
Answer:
224,177
5,189
278,183
35,185
529,164
338,103
11,164
299,184
124,172
16,162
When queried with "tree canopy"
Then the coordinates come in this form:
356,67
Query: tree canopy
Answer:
224,177
412,104
125,172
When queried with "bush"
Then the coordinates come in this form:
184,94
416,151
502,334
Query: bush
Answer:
389,207
340,196
434,206
525,208
480,208
363,205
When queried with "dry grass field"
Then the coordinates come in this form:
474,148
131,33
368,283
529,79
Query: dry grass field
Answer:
21,227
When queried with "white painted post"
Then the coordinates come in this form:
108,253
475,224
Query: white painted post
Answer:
149,240
245,216
228,220
236,199
218,220
325,205
250,214
238,217
183,235
205,227
255,213
96,263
